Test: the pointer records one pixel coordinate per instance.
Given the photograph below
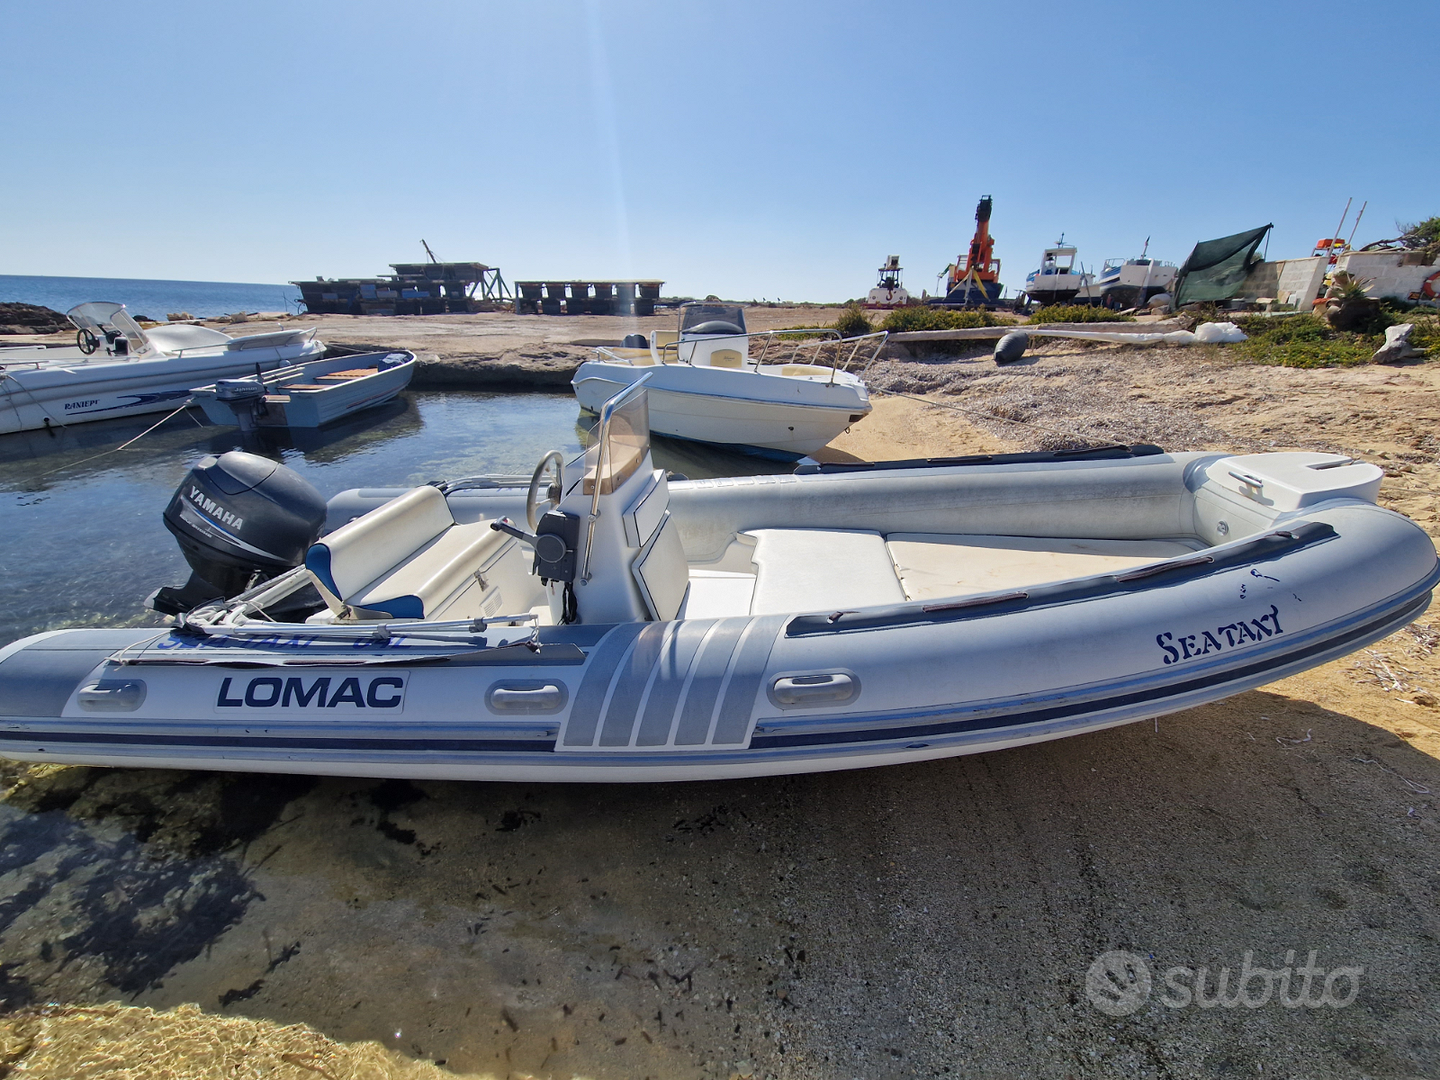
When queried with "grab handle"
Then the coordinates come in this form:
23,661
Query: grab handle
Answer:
112,697
803,690
527,697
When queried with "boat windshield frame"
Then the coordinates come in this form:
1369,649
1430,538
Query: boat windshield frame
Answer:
697,313
624,440
107,319
1050,262
860,351
625,418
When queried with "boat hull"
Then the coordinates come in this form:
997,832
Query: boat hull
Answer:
696,699
793,416
312,408
1043,295
50,395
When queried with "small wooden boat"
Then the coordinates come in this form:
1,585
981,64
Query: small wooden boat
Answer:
644,629
310,394
116,368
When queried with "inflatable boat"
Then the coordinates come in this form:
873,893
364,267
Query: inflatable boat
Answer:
609,623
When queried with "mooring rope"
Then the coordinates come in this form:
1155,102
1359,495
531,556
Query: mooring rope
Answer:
127,442
34,400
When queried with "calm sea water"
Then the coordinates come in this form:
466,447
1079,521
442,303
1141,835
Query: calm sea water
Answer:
81,537
154,299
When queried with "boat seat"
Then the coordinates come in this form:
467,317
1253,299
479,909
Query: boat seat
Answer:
932,566
635,357
821,570
726,358
403,560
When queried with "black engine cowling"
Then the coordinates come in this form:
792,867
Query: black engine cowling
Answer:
239,519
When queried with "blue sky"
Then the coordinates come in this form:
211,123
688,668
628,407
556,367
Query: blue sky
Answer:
746,149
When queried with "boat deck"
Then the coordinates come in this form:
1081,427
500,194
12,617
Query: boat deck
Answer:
793,569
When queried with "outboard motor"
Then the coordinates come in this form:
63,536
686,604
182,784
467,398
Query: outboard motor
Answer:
240,519
245,399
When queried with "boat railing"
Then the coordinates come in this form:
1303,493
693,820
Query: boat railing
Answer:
243,616
809,346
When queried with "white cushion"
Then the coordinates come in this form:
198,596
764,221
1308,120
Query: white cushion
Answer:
936,565
360,551
821,570
717,594
435,571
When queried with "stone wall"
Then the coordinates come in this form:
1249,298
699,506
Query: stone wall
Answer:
1289,282
1398,274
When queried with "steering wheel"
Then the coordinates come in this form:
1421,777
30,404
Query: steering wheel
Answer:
86,341
715,326
553,493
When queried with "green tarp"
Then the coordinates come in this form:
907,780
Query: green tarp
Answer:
1216,269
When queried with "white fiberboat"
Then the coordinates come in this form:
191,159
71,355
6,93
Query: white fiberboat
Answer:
1129,283
1057,280
116,368
788,397
309,394
888,291
649,630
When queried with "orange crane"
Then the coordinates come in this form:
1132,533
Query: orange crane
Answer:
977,282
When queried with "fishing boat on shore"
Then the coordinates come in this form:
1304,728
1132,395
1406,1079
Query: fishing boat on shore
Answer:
307,395
1057,280
116,368
1129,283
786,397
631,627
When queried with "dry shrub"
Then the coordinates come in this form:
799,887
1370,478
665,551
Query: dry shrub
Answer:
120,1042
853,323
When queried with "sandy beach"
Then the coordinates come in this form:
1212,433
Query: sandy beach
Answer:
927,920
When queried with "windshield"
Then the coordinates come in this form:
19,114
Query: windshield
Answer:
712,319
624,442
94,315
99,316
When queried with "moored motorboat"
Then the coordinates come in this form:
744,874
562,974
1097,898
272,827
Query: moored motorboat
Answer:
310,394
116,368
646,629
788,396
